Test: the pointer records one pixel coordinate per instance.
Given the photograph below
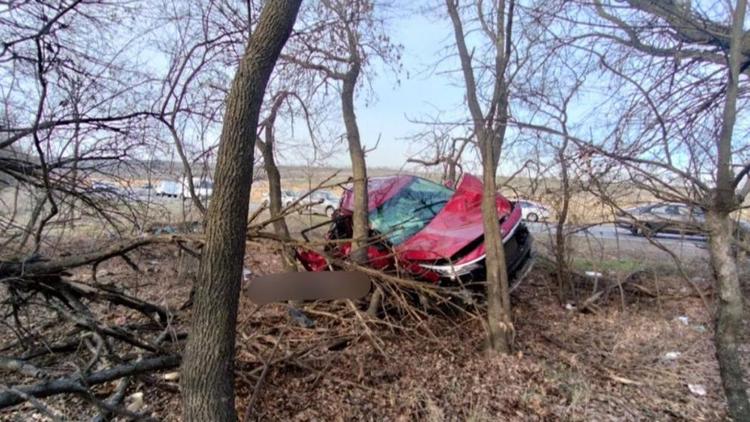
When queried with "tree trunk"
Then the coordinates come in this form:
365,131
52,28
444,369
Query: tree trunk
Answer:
207,375
274,194
499,322
561,252
490,132
729,316
360,225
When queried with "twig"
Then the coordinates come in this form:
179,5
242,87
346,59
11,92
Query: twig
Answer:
38,405
266,365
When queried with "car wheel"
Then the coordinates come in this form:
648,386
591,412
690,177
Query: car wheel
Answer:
649,231
533,217
634,231
329,211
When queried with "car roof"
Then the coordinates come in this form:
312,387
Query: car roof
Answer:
379,190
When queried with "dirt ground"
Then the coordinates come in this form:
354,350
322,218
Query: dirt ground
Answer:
632,359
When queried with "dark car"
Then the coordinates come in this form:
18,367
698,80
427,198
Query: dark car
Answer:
662,218
427,230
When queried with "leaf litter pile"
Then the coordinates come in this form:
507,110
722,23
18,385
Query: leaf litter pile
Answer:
635,357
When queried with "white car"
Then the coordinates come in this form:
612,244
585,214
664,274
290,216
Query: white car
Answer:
169,188
287,197
321,202
533,211
203,188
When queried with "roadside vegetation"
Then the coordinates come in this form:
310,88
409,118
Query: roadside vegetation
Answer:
158,158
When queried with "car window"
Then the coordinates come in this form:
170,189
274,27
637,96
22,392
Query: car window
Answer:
409,210
673,210
684,211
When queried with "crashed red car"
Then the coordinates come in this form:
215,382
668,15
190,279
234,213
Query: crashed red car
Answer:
428,230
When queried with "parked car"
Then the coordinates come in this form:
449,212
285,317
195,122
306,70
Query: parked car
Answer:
169,188
288,197
427,230
656,218
204,188
533,211
143,190
104,189
321,202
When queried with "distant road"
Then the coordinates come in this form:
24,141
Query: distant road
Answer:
679,244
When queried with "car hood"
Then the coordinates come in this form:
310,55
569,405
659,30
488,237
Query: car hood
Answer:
457,225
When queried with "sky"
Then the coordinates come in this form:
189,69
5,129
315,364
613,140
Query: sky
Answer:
419,94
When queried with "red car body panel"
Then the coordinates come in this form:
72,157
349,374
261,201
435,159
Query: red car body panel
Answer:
457,225
453,229
379,190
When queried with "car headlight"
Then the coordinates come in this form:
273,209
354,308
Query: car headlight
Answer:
453,271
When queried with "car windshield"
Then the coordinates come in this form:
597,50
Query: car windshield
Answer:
410,210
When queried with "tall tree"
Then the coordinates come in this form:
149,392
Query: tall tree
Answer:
489,128
344,38
676,79
208,367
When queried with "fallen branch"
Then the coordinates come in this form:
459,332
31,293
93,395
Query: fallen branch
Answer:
56,266
41,407
77,385
20,366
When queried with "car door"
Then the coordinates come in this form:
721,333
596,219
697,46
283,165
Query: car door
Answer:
675,220
656,216
693,218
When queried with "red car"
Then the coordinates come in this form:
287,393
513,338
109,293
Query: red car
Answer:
427,230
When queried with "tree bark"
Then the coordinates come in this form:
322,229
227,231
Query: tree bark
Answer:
274,182
561,250
490,131
730,313
729,316
207,377
360,225
499,322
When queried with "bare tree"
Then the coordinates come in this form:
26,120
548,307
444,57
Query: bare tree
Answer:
208,367
677,76
443,148
266,144
345,38
489,127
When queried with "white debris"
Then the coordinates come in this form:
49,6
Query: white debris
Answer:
683,319
672,355
697,389
136,402
593,274
570,307
246,273
171,376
